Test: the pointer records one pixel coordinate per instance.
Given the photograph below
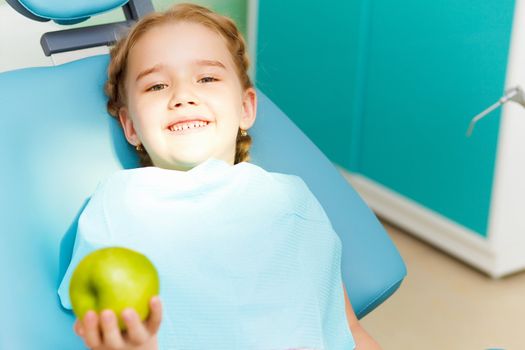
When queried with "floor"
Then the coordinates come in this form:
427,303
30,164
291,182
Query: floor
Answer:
444,304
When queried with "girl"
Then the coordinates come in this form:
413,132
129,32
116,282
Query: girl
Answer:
247,259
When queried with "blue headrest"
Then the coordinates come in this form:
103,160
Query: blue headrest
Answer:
69,10
61,12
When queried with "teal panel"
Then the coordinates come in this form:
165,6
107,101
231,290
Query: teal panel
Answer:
236,9
432,66
307,58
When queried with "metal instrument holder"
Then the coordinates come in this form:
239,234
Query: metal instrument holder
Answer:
99,35
515,94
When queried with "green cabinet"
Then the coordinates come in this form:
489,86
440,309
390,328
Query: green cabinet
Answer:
387,90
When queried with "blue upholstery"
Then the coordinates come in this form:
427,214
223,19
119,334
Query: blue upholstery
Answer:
58,142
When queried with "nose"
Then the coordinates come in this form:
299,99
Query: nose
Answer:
183,96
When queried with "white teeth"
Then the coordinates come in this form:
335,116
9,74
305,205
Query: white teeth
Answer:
185,126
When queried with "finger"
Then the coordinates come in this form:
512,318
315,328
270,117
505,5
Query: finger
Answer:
155,316
110,330
91,330
137,334
77,327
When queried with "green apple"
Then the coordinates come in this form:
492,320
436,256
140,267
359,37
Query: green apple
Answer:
113,278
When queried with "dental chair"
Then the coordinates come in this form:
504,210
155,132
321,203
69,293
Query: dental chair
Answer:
58,142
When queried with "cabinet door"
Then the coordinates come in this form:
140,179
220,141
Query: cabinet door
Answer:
307,63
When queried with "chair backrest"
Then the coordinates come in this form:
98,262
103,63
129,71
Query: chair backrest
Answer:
59,142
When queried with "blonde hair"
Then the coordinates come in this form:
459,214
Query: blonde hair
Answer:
224,26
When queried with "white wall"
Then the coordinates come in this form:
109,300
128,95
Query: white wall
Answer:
20,40
507,215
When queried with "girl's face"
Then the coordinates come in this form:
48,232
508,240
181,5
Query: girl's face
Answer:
185,102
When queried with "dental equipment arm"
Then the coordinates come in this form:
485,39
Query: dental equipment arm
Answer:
514,94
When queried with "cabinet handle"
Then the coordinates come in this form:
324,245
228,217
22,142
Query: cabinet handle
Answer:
515,94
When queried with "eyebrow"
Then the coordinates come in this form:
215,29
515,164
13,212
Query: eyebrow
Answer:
154,69
160,67
208,63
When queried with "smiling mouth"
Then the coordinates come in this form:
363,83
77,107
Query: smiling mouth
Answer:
194,124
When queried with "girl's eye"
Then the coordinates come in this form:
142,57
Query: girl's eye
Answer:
207,80
157,87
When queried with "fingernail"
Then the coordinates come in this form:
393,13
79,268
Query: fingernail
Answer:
89,316
106,316
127,314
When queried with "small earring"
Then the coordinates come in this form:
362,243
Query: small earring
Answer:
139,148
244,133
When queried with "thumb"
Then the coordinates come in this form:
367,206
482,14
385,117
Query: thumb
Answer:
77,327
155,316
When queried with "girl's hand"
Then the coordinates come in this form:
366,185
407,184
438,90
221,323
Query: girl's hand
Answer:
101,332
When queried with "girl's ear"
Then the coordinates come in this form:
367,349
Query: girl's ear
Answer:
249,108
128,127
